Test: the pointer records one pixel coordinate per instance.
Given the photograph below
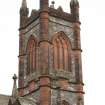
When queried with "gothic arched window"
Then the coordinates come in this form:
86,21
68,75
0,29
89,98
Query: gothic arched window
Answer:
31,55
61,52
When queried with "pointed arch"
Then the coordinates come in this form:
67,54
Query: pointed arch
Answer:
31,54
61,52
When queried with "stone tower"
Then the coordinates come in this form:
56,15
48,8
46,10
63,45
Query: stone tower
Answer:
50,68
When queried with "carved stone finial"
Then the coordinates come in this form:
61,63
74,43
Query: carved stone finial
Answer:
14,77
14,91
52,4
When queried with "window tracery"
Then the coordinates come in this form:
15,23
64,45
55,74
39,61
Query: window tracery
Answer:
31,55
61,52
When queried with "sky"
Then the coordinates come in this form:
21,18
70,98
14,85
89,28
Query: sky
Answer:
92,16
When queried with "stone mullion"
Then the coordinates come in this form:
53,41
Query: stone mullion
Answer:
60,56
34,58
62,45
63,51
36,50
27,63
66,57
69,55
63,56
30,61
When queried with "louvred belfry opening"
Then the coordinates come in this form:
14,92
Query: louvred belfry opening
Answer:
61,52
31,55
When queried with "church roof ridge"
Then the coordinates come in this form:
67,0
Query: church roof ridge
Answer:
4,95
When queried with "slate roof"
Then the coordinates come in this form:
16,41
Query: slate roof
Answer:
4,99
26,101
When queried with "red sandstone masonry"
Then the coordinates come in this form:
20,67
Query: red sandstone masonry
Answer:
63,53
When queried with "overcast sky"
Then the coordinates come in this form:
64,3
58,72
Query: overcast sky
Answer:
92,14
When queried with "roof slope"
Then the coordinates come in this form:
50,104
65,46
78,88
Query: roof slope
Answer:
21,101
4,99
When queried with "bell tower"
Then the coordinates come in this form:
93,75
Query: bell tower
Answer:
50,68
